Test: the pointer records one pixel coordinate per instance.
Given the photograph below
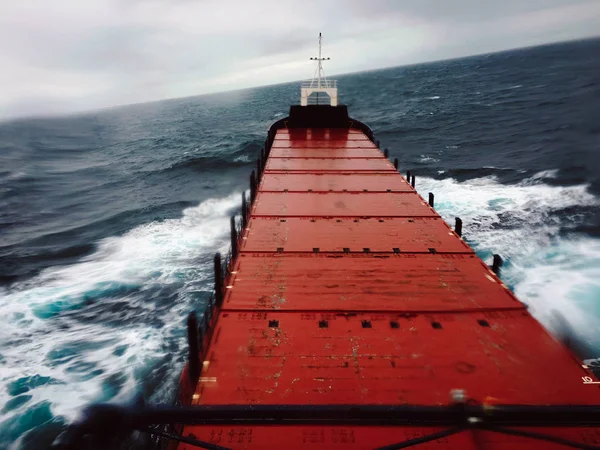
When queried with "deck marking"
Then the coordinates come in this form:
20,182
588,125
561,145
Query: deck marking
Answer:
589,380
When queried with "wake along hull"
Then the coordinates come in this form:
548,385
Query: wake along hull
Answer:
347,298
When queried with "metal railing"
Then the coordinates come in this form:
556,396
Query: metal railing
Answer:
314,84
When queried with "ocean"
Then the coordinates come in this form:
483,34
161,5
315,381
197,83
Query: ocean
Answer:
109,220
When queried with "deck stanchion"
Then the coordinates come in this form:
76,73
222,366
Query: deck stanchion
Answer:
496,264
218,280
377,143
431,198
252,187
258,168
396,163
412,182
408,176
458,226
386,153
244,211
193,349
234,238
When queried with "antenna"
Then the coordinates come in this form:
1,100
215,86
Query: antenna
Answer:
319,72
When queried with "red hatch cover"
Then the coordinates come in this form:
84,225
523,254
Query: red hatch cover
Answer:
361,282
322,137
326,358
313,143
308,132
351,182
423,235
335,204
329,164
326,153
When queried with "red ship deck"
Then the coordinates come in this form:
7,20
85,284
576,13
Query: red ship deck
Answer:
349,289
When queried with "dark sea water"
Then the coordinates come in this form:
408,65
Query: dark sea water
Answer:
108,221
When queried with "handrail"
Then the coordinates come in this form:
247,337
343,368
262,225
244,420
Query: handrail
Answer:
314,84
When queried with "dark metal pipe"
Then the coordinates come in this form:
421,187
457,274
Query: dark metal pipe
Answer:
218,280
412,182
258,168
396,163
431,199
193,350
377,143
408,176
518,415
496,264
458,226
386,153
234,237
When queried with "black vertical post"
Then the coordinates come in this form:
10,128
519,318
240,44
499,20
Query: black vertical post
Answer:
252,187
263,157
258,169
396,163
458,226
496,264
377,143
206,319
431,198
412,182
386,153
244,211
193,350
234,238
218,280
408,176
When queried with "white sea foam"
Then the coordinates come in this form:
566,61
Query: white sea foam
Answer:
242,158
547,271
427,159
164,253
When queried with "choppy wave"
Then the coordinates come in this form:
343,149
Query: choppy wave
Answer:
524,223
93,330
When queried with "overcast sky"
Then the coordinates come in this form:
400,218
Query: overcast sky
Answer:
69,55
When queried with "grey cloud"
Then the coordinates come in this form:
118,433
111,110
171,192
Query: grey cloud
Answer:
68,55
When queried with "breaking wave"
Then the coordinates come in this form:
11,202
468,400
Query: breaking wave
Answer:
92,331
547,268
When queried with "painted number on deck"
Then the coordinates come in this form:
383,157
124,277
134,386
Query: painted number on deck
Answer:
589,380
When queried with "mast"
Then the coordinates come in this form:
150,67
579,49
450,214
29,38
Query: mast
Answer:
320,72
319,82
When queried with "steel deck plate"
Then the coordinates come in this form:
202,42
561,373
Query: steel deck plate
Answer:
267,234
320,143
345,204
329,164
361,282
317,131
326,153
289,358
322,137
351,182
